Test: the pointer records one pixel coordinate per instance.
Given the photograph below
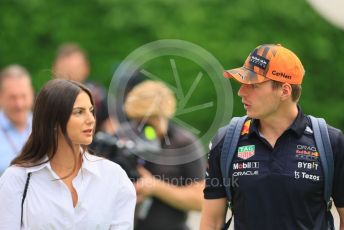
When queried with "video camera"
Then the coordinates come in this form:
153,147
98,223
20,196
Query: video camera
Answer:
127,148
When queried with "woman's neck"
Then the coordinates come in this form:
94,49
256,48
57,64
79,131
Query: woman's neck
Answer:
66,161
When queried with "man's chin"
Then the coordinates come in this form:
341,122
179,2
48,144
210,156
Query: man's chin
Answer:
250,114
22,119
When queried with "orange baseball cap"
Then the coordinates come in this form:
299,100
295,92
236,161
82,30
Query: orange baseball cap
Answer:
269,62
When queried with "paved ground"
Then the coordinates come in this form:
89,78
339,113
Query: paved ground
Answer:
194,220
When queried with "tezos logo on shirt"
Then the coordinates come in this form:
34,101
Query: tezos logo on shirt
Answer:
245,152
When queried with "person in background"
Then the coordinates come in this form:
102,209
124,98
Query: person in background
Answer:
71,62
55,182
165,192
16,99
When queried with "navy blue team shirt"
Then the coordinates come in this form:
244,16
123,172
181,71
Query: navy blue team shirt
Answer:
280,187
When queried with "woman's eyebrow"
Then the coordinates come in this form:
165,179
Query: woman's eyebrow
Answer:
82,108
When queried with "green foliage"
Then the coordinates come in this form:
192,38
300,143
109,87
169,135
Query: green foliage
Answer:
110,29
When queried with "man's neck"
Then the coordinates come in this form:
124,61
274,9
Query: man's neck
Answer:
272,127
19,126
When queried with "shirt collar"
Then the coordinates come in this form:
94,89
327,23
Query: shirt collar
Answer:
300,123
44,163
298,126
254,127
88,164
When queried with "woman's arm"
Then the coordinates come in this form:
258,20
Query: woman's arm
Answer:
125,205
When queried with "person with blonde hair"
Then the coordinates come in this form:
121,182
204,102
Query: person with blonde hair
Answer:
152,101
171,188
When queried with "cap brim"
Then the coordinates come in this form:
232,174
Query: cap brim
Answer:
244,76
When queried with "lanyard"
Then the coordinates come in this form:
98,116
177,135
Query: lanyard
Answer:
10,141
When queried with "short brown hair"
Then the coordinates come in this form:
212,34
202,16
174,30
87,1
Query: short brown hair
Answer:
68,49
295,89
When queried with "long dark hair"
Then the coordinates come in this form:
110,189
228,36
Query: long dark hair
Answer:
52,109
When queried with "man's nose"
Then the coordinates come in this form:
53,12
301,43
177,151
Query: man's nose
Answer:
19,102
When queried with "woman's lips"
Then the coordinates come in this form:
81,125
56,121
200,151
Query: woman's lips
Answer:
88,131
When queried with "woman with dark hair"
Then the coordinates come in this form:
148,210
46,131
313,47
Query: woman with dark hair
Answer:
55,183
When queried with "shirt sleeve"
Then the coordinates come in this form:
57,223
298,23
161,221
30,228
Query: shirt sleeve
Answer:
124,204
337,141
214,188
12,184
195,170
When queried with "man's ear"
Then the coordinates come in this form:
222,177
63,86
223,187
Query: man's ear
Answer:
286,91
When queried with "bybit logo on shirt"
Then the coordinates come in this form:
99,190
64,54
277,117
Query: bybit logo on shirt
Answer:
307,165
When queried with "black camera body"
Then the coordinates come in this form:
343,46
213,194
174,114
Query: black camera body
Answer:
126,148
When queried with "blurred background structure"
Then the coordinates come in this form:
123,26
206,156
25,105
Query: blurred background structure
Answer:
109,30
